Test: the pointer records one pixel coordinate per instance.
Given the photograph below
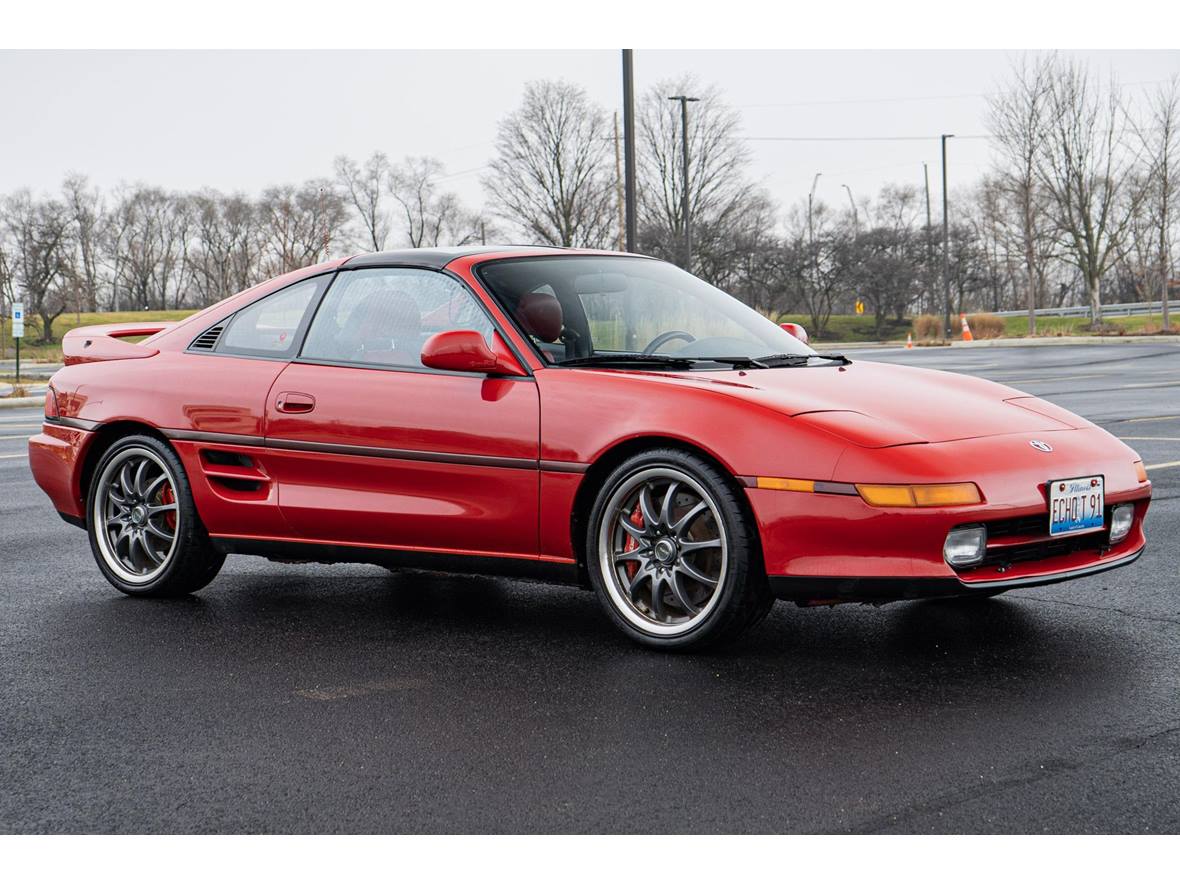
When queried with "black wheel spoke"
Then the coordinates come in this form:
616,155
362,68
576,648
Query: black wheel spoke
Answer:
138,527
678,557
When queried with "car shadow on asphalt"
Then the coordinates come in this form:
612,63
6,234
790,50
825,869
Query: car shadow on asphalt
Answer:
984,642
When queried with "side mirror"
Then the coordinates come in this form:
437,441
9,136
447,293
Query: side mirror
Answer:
796,330
464,350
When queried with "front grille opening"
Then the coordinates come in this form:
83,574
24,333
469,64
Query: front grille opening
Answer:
1040,545
1093,542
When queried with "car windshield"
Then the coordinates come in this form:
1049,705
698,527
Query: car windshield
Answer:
584,309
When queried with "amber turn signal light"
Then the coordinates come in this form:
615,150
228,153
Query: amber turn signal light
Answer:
1140,471
780,484
943,495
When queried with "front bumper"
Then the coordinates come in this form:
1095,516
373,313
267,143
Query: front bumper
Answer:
832,591
836,547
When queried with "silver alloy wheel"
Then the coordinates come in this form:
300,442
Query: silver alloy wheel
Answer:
135,515
663,550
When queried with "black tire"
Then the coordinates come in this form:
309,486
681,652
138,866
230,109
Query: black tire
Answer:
740,596
190,561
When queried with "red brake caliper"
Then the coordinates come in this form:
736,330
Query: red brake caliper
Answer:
631,567
167,497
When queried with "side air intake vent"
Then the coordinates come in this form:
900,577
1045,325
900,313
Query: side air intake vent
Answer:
207,340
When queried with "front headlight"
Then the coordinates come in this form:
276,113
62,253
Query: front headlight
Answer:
965,546
1121,518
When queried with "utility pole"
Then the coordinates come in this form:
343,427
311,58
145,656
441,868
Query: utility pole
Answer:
685,201
929,242
855,214
620,197
629,148
946,240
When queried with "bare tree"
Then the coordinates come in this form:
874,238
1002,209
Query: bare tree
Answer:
1018,118
432,218
1161,141
228,253
7,287
724,205
301,224
1084,165
551,175
41,236
154,231
366,187
85,204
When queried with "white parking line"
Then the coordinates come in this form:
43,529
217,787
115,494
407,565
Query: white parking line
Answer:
18,436
1157,438
1162,466
21,455
1160,418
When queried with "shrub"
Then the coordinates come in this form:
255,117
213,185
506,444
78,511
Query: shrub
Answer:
986,325
927,327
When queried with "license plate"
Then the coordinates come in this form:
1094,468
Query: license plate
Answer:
1076,505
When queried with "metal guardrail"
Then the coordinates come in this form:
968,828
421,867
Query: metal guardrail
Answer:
1136,308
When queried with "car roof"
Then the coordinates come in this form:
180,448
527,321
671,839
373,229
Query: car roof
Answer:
436,258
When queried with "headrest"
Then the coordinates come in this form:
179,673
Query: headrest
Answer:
539,313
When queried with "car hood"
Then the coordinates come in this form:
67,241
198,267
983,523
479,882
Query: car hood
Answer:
879,404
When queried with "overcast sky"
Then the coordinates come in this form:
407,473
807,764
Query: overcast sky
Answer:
245,120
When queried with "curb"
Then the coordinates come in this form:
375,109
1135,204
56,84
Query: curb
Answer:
22,402
1070,339
1005,342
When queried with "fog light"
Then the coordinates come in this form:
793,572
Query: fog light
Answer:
965,546
1120,521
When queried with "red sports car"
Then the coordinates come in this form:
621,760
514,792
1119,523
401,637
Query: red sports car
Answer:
585,416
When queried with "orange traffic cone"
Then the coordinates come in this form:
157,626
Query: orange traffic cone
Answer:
909,341
967,336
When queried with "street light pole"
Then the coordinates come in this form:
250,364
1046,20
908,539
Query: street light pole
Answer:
855,214
810,201
629,148
946,239
685,202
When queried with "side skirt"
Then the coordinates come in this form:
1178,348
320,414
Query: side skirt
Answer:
292,551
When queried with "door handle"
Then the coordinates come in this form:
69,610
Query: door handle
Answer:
291,402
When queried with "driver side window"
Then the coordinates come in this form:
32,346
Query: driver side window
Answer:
382,316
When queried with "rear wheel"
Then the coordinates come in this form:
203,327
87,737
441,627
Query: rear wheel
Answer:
673,555
143,526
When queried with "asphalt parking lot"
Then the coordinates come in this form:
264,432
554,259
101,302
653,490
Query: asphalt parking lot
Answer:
344,699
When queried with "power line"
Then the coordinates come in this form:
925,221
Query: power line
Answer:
852,137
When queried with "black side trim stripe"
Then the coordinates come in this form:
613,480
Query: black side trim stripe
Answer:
563,466
76,423
402,454
228,439
233,439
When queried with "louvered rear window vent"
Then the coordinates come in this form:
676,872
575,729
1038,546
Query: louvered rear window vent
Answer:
208,339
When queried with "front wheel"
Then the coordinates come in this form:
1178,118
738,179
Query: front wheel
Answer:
143,526
673,555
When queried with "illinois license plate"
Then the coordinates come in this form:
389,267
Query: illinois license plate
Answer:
1076,505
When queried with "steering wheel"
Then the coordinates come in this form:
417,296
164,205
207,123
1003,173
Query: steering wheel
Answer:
664,337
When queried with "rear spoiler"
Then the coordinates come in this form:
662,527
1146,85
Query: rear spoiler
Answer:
94,344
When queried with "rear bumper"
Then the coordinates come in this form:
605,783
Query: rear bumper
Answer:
56,455
830,591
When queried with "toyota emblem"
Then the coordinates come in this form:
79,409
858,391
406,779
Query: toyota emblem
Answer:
1040,446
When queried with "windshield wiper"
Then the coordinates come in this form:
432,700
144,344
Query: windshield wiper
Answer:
630,359
775,360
